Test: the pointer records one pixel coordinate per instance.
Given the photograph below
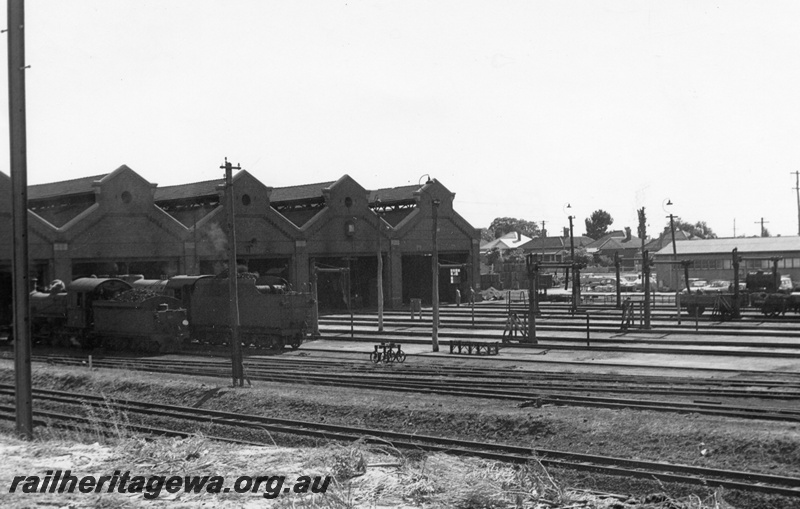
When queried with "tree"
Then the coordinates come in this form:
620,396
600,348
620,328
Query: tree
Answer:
502,225
597,224
642,230
698,230
582,256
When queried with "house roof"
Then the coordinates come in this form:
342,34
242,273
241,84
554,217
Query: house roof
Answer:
616,240
81,185
557,243
511,240
726,245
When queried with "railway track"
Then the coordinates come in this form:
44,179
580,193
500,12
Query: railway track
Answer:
525,394
665,472
598,323
625,344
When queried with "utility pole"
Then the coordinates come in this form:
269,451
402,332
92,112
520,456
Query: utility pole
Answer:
237,369
435,275
797,189
576,275
19,207
380,266
763,231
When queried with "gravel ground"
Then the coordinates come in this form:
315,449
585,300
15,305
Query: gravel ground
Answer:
735,444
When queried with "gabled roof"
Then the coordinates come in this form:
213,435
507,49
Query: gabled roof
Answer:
391,195
616,240
81,185
511,240
299,193
186,191
789,244
540,243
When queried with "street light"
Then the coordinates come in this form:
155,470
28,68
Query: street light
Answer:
435,275
576,275
380,265
666,205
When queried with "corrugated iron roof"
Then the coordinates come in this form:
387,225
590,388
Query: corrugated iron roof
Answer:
186,191
299,193
64,188
743,244
394,194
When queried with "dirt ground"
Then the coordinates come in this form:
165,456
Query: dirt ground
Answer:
735,444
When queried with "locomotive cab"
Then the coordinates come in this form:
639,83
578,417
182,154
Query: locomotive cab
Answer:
83,292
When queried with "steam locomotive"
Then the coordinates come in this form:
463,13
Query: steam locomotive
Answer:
132,313
107,313
271,314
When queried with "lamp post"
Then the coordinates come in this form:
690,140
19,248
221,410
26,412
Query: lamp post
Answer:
435,275
380,267
576,276
664,206
237,368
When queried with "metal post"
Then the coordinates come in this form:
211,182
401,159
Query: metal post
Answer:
587,331
380,277
19,207
686,264
237,369
534,305
617,264
435,276
315,299
576,278
646,284
672,278
736,307
797,190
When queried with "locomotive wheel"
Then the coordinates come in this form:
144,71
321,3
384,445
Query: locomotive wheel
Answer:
295,342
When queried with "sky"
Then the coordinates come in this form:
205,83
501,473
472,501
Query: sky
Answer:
518,107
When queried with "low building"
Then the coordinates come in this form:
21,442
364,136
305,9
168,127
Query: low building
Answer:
712,259
119,223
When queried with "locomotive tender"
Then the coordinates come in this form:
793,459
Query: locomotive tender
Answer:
270,315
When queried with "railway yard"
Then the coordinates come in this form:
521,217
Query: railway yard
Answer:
700,413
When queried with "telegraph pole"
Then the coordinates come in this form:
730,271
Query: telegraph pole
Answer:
763,231
797,189
380,267
19,207
237,369
435,275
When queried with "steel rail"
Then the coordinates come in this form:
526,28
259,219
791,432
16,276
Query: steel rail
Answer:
760,413
189,367
781,485
448,371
